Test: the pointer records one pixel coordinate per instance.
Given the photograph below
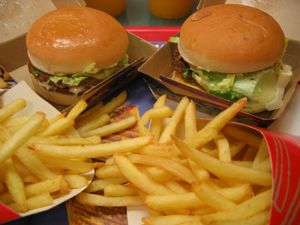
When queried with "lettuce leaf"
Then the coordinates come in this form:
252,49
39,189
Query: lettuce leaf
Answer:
90,71
257,86
67,80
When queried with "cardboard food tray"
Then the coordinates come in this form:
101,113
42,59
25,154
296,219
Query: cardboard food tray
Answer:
159,70
34,104
284,153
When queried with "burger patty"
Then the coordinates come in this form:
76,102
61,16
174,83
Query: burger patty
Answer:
178,63
59,86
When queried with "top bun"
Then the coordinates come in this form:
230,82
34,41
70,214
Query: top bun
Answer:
68,39
231,38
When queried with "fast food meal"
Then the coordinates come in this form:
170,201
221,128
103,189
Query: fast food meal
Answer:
234,51
72,49
182,173
29,181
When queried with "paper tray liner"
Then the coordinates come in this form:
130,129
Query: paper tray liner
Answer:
284,153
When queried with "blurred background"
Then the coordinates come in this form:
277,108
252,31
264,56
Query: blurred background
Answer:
141,12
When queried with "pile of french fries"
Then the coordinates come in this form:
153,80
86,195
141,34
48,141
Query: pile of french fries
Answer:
184,170
27,180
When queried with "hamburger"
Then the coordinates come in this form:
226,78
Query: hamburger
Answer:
72,49
234,51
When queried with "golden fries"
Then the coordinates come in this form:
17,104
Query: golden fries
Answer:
26,181
91,151
133,175
104,201
223,169
177,116
183,172
15,185
214,126
11,109
21,136
156,124
111,128
181,184
248,208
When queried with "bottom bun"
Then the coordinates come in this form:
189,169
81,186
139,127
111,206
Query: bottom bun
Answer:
58,98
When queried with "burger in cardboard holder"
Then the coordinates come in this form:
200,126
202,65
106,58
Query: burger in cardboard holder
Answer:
226,52
72,49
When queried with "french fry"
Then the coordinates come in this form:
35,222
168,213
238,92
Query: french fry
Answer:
91,151
169,219
12,108
89,112
34,164
243,163
190,120
237,193
57,117
161,150
78,108
156,124
212,128
45,186
38,188
173,202
195,222
223,148
5,134
26,175
261,154
259,218
264,165
98,185
249,154
65,140
176,187
223,169
118,190
156,113
106,109
136,177
203,211
248,137
108,171
211,197
112,128
97,122
15,121
76,181
167,164
67,164
35,202
236,147
21,136
104,201
15,185
246,209
177,116
58,127
157,174
200,173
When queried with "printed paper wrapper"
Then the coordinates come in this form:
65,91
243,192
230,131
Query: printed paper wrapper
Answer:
285,156
34,103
